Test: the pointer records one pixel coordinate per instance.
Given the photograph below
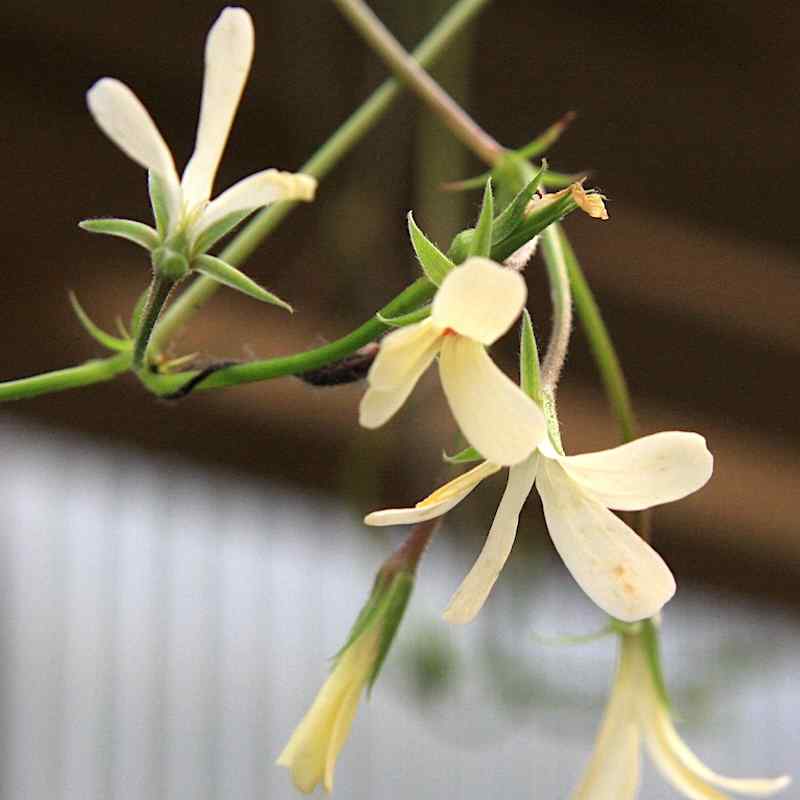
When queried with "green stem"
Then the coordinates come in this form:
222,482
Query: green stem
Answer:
600,343
419,81
419,292
157,295
319,165
95,371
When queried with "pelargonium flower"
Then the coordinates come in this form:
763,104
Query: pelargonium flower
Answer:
616,568
475,305
637,709
182,204
317,741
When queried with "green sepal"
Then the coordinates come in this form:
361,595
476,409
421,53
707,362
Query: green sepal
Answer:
435,264
460,247
530,378
465,456
560,180
158,202
481,244
652,647
570,640
393,609
533,225
220,271
514,214
211,235
97,333
545,140
136,232
405,319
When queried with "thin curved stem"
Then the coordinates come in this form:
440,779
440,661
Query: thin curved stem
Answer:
561,295
319,165
419,81
419,292
95,371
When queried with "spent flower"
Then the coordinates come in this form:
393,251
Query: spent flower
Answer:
474,306
636,710
616,568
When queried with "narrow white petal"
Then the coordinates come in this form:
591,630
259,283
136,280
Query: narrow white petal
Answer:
666,737
684,780
494,414
646,472
615,567
436,504
479,299
471,595
400,352
257,191
229,53
125,121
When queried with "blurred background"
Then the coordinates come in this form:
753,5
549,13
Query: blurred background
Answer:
164,563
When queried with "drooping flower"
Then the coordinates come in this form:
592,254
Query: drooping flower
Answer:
617,569
638,709
475,305
317,741
182,204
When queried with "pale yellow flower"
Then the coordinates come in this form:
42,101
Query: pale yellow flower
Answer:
123,118
636,710
317,741
475,305
617,569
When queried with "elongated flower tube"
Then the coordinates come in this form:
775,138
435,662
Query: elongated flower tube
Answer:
317,741
475,305
637,709
183,205
617,569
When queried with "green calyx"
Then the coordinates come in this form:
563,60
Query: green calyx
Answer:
170,260
384,609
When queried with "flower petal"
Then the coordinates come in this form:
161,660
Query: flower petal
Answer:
615,567
496,416
306,754
646,472
341,729
396,370
399,353
613,771
479,299
229,53
122,117
666,737
471,595
436,504
256,191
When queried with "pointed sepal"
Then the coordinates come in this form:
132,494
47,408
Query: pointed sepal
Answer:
530,378
481,243
220,271
211,235
435,264
514,214
98,334
159,202
136,232
405,319
465,456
